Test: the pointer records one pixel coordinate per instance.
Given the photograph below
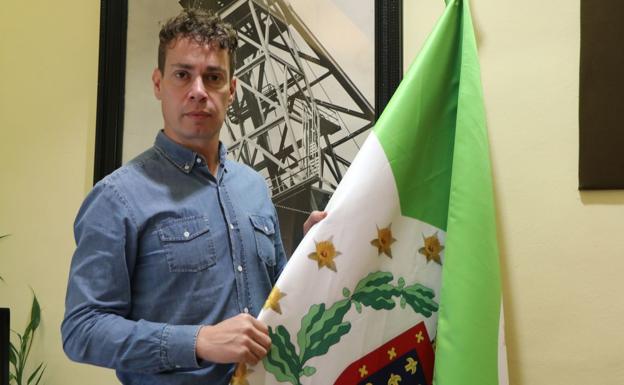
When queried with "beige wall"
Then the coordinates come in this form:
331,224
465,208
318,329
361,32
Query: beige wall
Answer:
48,72
561,249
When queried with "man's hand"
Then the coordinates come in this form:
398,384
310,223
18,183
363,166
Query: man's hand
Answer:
314,218
238,339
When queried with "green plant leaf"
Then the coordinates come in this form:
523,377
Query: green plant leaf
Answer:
358,307
346,292
33,324
420,298
19,360
308,371
282,360
35,314
24,342
40,376
19,353
33,375
19,336
325,331
3,236
12,354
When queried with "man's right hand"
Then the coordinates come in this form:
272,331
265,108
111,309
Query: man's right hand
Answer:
238,339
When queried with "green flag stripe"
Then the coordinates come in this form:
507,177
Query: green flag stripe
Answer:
417,127
467,339
434,135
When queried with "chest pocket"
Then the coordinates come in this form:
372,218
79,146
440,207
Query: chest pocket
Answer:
188,244
264,232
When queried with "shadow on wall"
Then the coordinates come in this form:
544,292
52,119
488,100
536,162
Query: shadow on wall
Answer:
602,197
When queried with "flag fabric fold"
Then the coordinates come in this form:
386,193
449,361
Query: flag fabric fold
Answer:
400,283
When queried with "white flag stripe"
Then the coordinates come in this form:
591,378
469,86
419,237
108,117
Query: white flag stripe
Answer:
366,198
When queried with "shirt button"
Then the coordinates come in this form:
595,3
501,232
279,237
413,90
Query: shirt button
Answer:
246,310
231,226
186,234
266,229
239,268
186,166
198,160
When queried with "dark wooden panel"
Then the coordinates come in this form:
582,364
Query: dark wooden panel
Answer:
601,103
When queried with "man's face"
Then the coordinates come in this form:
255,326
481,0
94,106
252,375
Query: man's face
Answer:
195,90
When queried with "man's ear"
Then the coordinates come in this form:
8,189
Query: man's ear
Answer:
232,90
156,79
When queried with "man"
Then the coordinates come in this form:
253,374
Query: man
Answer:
178,249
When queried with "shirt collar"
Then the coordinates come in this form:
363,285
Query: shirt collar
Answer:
183,157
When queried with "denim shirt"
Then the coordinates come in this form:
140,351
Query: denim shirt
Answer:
164,247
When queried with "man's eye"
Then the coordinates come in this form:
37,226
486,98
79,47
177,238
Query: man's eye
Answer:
180,75
214,79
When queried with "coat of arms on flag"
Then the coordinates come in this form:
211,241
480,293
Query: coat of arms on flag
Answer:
407,257
407,358
323,326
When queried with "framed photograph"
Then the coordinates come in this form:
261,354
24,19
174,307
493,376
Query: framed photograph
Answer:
313,77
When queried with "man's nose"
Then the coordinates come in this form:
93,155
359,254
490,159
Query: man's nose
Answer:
198,90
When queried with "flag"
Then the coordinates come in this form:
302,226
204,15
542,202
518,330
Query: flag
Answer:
406,262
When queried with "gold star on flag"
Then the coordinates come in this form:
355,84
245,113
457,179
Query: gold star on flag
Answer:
325,254
384,241
273,301
411,365
394,379
363,371
432,249
240,375
391,354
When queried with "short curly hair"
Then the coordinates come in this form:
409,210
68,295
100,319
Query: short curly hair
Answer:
202,26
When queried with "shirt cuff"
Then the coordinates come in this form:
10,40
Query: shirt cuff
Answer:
177,346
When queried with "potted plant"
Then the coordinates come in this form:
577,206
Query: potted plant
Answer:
19,352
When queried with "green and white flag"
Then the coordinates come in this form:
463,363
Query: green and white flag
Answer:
406,262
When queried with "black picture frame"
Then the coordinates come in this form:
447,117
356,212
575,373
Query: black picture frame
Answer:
5,324
112,62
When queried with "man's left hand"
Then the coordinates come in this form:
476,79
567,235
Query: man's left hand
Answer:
314,218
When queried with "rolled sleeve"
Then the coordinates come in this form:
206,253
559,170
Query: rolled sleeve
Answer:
178,346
